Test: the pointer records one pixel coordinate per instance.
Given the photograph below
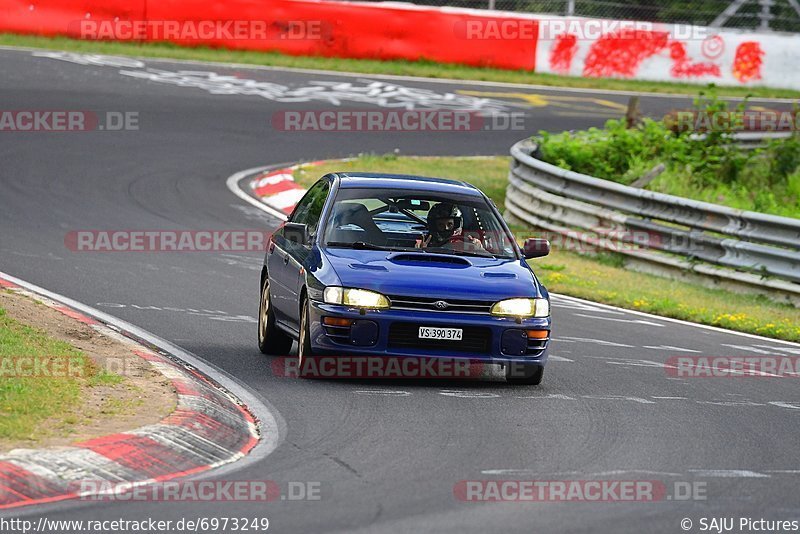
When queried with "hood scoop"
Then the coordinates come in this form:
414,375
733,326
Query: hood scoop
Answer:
368,267
489,274
443,260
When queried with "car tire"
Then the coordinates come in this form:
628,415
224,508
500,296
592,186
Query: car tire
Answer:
304,351
271,340
529,374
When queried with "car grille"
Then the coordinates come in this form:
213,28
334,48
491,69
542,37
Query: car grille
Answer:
429,304
476,339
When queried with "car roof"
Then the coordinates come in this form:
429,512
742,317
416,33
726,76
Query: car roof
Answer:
348,180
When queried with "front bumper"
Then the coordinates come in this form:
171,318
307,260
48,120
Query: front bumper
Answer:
389,333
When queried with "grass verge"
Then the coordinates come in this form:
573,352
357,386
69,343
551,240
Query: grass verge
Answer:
422,68
600,278
28,402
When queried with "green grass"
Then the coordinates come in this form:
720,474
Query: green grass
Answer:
422,68
32,406
605,281
600,278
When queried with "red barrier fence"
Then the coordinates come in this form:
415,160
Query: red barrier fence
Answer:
341,29
589,48
53,17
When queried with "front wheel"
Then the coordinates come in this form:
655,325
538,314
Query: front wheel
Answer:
304,351
529,374
271,340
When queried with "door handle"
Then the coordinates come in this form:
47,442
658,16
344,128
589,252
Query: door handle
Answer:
286,260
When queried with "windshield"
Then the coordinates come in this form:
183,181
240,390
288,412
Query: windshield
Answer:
419,221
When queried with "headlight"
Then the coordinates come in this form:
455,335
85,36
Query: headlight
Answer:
359,298
522,308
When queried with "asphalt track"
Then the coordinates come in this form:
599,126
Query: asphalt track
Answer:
387,454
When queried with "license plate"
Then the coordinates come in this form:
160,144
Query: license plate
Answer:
446,334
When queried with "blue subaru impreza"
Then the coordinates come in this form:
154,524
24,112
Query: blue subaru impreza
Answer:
403,266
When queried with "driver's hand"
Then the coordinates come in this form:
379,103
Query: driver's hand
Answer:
475,242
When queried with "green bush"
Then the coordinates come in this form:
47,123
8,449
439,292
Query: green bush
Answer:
710,167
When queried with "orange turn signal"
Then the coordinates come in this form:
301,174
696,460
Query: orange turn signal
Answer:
538,334
336,321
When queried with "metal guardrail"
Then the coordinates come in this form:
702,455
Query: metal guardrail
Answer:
752,248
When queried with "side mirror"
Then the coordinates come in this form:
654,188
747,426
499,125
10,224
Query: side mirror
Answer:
296,232
536,248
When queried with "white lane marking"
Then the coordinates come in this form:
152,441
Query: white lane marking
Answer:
536,472
596,341
629,471
636,363
782,404
213,315
752,349
446,81
783,349
572,306
669,348
545,397
382,393
462,394
96,60
632,362
618,397
554,358
731,403
235,261
466,394
636,321
728,473
677,321
709,473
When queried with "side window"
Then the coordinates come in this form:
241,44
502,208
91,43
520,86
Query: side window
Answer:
309,210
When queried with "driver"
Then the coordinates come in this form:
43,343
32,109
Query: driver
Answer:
445,228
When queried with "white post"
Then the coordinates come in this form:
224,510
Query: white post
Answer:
765,16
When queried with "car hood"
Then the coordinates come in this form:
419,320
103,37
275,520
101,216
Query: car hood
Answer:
433,275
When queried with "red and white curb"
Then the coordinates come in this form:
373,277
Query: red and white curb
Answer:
277,189
210,427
